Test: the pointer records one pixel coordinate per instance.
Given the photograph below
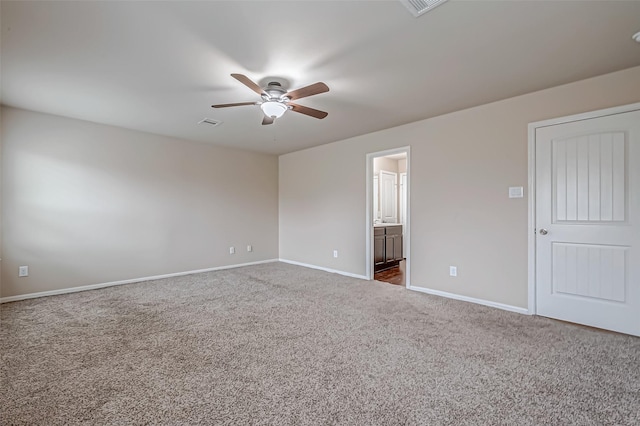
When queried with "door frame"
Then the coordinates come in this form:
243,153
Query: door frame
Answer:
531,305
369,212
404,196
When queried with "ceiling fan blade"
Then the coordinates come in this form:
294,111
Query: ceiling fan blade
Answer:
311,90
267,120
232,105
308,111
248,82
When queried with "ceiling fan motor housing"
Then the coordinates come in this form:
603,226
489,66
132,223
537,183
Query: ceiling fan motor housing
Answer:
274,91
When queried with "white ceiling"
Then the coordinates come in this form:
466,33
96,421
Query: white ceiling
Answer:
158,66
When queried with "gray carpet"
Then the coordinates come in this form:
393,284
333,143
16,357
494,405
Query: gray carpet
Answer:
280,344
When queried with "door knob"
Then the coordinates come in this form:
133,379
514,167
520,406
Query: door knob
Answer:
543,231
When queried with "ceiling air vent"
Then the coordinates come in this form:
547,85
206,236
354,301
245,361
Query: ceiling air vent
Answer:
419,7
210,121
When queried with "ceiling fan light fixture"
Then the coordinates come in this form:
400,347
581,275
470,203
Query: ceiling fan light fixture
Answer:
273,109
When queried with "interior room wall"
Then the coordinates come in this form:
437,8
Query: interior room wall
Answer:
87,204
462,164
386,164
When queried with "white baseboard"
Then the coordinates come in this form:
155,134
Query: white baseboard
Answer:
333,271
130,281
497,305
219,268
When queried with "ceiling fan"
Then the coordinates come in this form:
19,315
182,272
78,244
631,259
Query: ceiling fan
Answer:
276,100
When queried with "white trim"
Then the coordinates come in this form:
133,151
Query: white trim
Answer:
586,115
404,204
368,223
322,268
130,281
404,196
531,218
532,184
489,303
369,212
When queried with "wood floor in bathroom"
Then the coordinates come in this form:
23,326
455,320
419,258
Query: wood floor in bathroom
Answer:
393,275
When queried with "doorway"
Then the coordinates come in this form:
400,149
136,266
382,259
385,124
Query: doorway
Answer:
586,209
388,216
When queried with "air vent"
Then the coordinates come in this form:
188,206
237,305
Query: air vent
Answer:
419,7
210,121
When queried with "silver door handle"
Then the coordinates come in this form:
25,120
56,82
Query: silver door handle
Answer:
543,231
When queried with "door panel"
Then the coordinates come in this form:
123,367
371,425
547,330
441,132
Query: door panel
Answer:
589,270
378,250
389,249
397,247
588,204
589,177
388,196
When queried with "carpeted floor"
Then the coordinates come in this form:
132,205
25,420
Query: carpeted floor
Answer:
280,344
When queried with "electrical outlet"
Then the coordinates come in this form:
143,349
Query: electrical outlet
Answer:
23,271
249,248
453,271
335,253
232,250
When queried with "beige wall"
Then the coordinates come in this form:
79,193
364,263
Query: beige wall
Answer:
386,164
86,204
461,166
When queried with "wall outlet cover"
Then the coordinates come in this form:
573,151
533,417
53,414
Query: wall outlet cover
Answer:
23,271
232,250
453,271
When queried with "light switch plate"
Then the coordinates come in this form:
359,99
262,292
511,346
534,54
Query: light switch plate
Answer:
516,192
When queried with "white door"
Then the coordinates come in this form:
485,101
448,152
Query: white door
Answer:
587,214
388,196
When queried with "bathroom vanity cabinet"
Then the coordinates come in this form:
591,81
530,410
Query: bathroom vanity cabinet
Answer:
387,246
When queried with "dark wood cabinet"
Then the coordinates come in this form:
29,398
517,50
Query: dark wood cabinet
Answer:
378,246
387,246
